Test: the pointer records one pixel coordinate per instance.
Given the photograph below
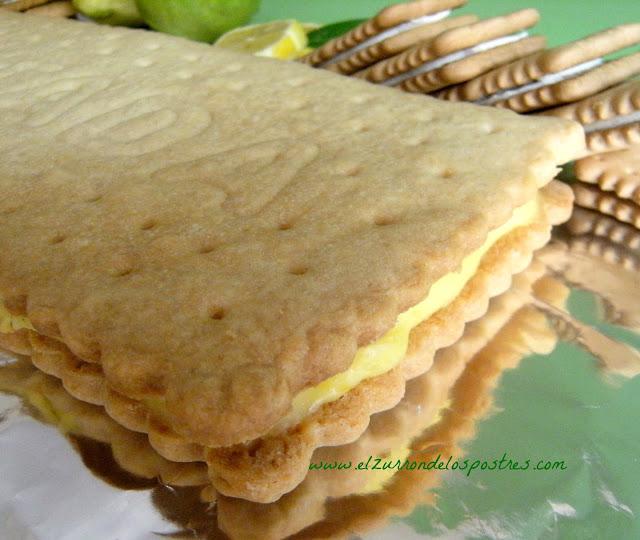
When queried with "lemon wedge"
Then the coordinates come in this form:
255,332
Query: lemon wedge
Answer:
279,39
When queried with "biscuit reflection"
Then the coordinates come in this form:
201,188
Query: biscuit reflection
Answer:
584,258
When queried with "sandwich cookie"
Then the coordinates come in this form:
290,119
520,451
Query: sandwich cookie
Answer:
458,54
611,119
617,171
246,296
552,77
393,29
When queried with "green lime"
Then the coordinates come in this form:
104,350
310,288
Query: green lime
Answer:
202,20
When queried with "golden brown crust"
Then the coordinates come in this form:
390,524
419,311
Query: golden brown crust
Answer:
620,100
472,66
215,271
387,18
536,66
598,79
617,171
590,47
580,87
516,73
485,30
396,44
448,42
399,13
614,139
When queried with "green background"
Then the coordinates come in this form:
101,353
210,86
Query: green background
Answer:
561,20
559,406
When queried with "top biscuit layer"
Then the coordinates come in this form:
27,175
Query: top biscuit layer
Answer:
220,231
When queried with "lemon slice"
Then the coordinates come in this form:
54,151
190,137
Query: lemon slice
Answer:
310,26
279,39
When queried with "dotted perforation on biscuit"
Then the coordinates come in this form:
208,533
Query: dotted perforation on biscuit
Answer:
455,325
538,159
227,461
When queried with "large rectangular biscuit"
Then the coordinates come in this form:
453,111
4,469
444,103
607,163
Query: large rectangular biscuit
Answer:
217,232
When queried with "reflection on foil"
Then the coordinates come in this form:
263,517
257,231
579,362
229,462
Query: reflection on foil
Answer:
439,415
98,458
604,267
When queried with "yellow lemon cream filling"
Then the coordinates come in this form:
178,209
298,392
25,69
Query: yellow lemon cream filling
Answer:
383,354
386,352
